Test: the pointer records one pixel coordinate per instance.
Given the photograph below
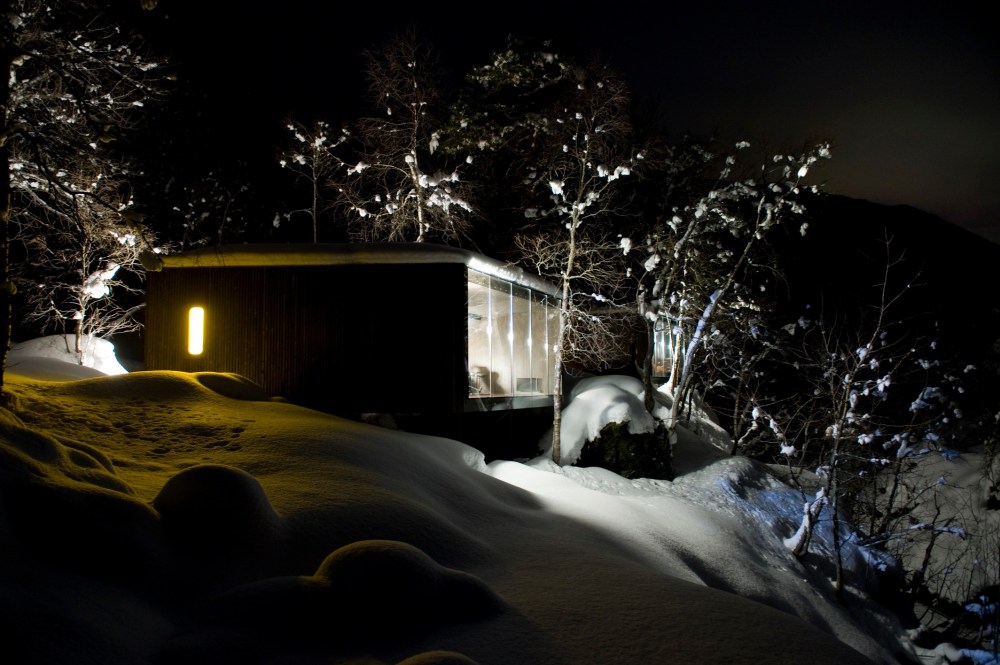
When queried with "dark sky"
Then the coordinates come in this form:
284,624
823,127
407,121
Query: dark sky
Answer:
907,91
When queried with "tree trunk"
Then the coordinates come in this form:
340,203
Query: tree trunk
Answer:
680,385
564,309
557,408
838,584
79,341
673,415
740,409
6,285
415,181
557,382
647,366
315,195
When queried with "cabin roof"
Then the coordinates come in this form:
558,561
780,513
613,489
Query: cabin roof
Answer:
333,254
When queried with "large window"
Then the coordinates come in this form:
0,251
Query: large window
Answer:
512,331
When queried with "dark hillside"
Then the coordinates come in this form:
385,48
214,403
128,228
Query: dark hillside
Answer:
952,273
946,277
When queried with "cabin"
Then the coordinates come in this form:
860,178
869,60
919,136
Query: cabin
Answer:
448,341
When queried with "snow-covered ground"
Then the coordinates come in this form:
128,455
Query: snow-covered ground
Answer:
163,517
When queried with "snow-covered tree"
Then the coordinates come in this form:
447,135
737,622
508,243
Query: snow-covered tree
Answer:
72,81
392,180
698,272
309,158
209,208
83,259
571,150
869,405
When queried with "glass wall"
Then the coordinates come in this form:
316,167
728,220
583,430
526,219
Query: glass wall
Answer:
665,343
511,334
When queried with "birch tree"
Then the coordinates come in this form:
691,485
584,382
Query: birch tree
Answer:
72,81
696,272
565,132
86,258
310,159
391,179
870,403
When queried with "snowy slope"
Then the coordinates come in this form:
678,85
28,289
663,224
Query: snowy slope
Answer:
161,517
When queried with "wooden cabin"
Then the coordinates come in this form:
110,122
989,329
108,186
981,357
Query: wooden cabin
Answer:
435,335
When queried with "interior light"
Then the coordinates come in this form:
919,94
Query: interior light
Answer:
196,330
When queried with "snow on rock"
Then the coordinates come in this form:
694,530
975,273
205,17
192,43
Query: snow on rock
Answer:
628,384
595,402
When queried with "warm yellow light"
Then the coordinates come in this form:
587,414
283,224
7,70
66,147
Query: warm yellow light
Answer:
196,330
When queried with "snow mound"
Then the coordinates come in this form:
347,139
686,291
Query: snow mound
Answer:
232,386
49,369
156,386
211,506
628,384
367,574
367,592
438,658
98,354
62,501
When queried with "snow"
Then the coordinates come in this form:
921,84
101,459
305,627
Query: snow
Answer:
55,357
593,404
167,517
96,285
323,254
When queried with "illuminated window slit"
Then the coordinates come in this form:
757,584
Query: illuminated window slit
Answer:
196,330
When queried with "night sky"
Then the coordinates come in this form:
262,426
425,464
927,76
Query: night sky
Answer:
908,92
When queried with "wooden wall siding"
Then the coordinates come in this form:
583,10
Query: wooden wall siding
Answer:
345,339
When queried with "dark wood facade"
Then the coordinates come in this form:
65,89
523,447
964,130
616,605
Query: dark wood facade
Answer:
339,338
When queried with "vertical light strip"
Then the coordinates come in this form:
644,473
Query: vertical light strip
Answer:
531,357
489,331
510,339
196,330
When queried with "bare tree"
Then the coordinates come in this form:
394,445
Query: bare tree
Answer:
72,80
696,269
392,179
871,403
592,329
573,157
84,257
310,160
557,137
